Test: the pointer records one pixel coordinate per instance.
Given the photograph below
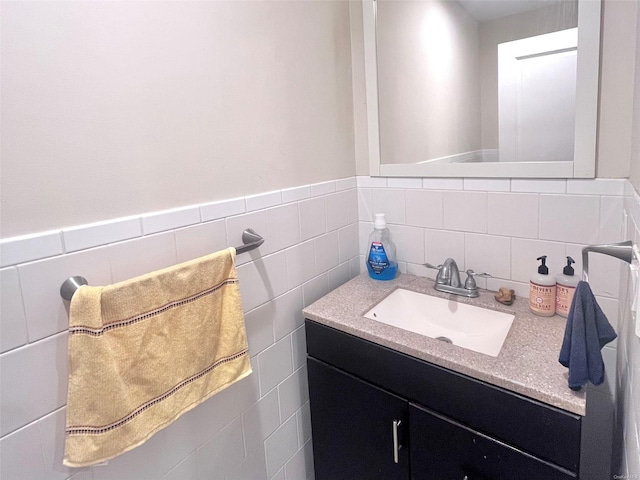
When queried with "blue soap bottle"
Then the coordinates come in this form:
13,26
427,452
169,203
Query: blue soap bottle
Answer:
381,258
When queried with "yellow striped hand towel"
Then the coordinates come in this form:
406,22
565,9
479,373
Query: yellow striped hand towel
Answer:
144,351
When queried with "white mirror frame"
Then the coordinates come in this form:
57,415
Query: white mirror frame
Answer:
583,166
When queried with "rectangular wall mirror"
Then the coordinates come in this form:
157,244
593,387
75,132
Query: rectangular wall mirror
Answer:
482,88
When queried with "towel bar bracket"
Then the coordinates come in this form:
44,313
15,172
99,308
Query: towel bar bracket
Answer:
70,285
250,239
625,251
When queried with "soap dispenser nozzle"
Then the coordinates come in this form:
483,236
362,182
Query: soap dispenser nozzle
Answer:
568,269
543,269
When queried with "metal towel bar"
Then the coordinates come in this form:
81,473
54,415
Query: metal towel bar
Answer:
250,241
624,251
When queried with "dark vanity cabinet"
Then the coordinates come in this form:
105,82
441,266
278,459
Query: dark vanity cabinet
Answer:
353,427
380,414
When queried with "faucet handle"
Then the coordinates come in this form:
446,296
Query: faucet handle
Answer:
439,275
428,265
470,282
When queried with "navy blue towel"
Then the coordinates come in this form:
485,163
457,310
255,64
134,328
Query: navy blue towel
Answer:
587,331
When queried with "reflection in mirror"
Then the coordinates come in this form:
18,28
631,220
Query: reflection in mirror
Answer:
483,86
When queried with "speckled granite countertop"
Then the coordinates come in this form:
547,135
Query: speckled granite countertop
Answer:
527,364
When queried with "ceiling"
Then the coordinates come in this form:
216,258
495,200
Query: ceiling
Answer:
483,10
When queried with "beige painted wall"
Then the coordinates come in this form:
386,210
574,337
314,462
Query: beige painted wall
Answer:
359,89
118,108
616,88
635,133
359,94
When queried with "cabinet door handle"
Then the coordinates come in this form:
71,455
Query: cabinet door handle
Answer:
396,444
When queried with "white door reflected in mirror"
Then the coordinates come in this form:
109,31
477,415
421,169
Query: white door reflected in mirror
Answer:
537,97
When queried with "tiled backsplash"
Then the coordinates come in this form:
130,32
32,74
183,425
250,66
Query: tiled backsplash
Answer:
628,384
315,240
258,428
499,226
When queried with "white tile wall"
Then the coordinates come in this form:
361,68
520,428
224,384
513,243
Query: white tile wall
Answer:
200,240
14,326
263,200
301,263
21,455
627,441
341,209
488,253
488,184
443,183
300,463
512,214
323,188
297,193
152,253
465,211
327,251
222,209
404,182
313,218
538,186
409,243
390,202
101,233
440,245
34,382
282,445
45,313
424,208
569,218
345,184
261,420
500,225
170,219
315,238
283,226
259,428
293,391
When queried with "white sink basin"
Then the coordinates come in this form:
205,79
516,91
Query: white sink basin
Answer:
475,328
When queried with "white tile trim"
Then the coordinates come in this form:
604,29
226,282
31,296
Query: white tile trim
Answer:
26,248
101,233
222,209
263,200
170,219
324,188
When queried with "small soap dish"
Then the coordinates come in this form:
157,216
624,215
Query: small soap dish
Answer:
505,296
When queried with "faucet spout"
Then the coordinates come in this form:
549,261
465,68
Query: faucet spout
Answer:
449,274
448,279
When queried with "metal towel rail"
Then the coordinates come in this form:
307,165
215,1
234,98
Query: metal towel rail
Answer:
626,251
250,241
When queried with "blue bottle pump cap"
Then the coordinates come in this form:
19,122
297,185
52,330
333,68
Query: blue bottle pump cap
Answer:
543,269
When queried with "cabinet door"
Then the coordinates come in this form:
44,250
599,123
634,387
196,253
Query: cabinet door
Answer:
442,449
353,427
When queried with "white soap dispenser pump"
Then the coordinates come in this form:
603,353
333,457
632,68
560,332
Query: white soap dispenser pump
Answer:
542,291
565,288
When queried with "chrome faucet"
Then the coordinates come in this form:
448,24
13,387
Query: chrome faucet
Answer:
448,279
